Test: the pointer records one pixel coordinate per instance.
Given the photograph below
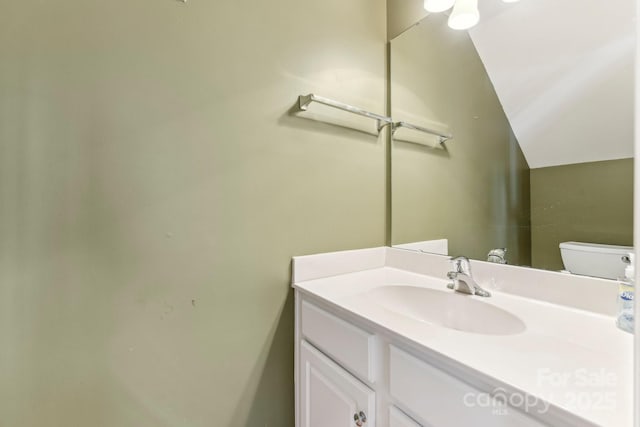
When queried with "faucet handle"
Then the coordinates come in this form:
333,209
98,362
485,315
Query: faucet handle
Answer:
497,255
452,275
461,264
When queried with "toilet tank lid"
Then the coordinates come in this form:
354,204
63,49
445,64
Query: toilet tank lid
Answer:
595,247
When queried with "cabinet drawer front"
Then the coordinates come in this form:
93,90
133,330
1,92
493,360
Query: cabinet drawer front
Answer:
398,419
440,400
348,345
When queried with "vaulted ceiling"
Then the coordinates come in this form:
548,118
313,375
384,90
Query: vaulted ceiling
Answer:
563,71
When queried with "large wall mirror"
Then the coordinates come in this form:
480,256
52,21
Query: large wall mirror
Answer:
542,123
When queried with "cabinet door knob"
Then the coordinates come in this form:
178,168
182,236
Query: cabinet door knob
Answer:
360,418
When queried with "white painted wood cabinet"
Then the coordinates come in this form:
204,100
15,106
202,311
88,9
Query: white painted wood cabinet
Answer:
398,419
329,395
350,375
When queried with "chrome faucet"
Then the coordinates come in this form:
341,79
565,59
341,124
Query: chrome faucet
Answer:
462,280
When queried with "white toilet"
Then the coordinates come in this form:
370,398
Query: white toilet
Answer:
593,259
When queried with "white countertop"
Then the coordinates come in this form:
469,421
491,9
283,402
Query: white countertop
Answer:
576,360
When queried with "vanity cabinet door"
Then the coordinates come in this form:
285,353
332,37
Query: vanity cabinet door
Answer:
398,419
330,396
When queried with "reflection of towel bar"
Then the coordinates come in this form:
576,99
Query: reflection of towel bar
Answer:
305,100
443,137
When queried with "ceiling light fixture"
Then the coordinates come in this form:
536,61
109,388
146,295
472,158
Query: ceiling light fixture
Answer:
464,15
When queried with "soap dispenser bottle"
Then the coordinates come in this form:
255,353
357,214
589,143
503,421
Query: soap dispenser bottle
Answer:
625,320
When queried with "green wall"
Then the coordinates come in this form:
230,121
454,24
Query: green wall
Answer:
153,189
476,192
586,202
402,15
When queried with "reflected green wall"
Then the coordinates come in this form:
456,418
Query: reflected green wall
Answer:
402,15
476,192
586,202
153,189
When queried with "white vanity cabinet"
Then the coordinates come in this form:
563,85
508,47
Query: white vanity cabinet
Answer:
350,346
336,359
329,395
350,375
441,400
398,419
378,329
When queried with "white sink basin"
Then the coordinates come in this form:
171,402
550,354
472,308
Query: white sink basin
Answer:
448,309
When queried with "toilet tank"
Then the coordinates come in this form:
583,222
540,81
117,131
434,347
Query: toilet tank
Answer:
593,259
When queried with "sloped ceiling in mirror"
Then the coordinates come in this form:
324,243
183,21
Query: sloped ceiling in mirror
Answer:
563,71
